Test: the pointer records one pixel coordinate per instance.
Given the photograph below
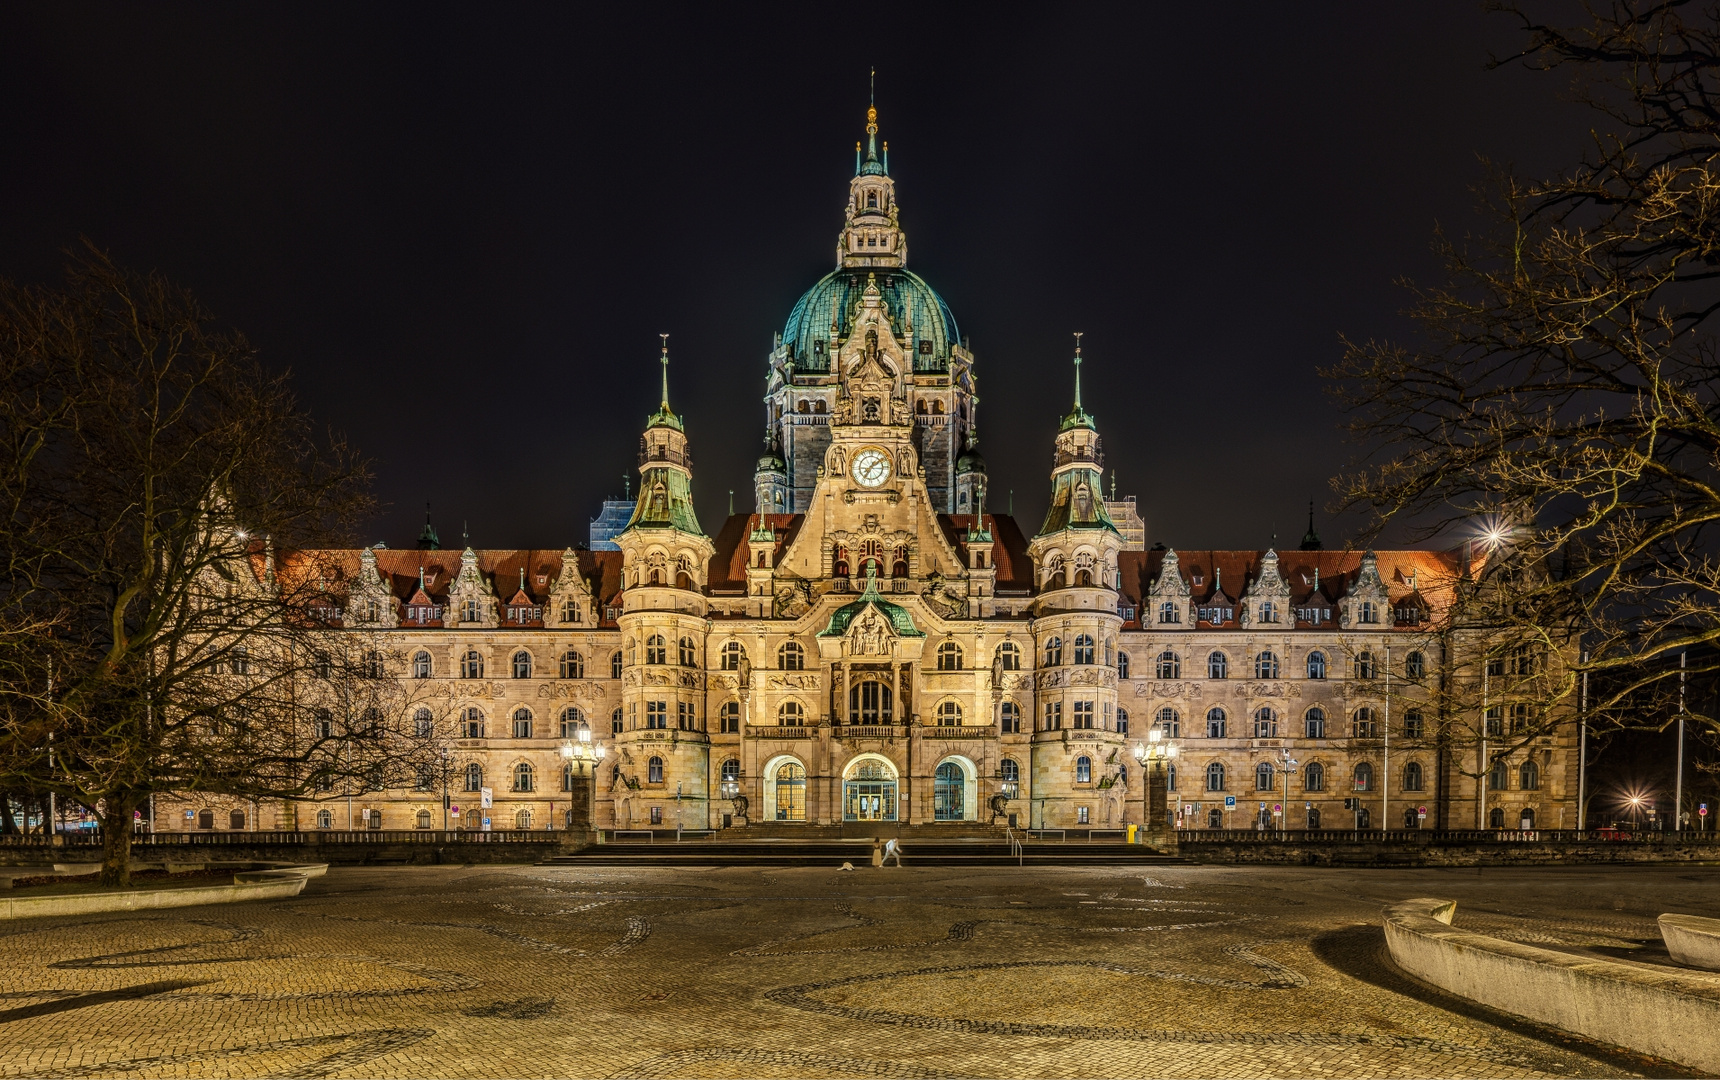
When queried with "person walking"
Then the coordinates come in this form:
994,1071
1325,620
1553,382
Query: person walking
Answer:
892,850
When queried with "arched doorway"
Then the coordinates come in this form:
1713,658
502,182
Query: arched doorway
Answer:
947,789
955,790
869,789
768,776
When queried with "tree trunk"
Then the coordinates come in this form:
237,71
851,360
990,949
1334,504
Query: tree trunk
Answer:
8,824
117,810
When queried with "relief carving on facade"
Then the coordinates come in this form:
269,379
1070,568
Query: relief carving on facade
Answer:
793,598
793,681
869,636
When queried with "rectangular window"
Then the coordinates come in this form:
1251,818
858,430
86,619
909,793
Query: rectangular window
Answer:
1010,718
1081,815
1083,715
684,717
1053,715
657,715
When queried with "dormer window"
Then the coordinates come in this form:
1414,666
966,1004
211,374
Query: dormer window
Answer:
871,200
469,611
1369,614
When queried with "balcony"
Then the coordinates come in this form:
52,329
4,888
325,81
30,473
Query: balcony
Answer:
959,731
783,731
869,731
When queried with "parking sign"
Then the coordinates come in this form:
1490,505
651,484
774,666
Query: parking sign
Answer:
1230,802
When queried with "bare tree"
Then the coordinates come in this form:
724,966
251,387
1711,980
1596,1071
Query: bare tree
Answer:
149,467
1560,410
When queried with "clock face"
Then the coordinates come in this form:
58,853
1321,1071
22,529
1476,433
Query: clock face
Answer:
871,468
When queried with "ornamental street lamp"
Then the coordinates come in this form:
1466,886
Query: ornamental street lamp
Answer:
1152,756
1289,767
582,755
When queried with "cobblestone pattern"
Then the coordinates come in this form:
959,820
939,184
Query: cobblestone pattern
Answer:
914,973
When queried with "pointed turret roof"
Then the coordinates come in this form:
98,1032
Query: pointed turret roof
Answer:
1078,416
665,416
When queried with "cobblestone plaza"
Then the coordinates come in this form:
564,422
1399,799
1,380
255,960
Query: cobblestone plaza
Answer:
811,972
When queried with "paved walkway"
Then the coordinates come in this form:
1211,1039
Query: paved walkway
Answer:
919,972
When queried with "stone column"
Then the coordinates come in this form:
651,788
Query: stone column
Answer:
1160,834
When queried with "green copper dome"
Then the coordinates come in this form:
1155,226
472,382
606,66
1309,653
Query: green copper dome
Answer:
836,299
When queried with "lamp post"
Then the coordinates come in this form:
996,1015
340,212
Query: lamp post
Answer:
581,755
1290,764
1152,756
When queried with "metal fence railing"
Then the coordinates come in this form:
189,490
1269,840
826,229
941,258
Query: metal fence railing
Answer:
1433,836
90,838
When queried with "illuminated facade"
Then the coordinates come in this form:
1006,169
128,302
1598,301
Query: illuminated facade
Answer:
873,646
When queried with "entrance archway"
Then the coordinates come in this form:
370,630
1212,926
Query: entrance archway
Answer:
784,783
869,789
955,790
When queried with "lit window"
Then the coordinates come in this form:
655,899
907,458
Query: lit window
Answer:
1083,770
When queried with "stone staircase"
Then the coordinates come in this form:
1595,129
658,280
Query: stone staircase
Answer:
944,851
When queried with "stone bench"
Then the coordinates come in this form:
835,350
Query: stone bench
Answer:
1673,1015
1692,940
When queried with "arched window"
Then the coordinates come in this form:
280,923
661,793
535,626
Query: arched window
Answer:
423,817
1496,818
572,665
1414,666
1528,776
1413,727
732,655
1083,770
1264,778
1083,649
1266,665
1054,652
1122,721
423,725
870,702
791,792
572,721
1169,721
1215,723
1314,723
325,820
871,200
615,720
656,650
1169,666
731,772
420,665
1316,665
1364,725
1010,774
1412,776
1217,666
522,665
1008,657
791,657
522,777
474,777
654,771
949,714
1215,776
791,714
522,819
1169,612
1265,723
472,665
1364,665
472,723
949,656
522,723
689,653
1364,777
1314,777
615,665
1009,718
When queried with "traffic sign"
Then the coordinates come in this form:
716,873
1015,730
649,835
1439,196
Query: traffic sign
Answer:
1421,811
1230,802
1702,809
1277,809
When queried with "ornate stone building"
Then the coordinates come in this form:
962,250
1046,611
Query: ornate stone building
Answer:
873,645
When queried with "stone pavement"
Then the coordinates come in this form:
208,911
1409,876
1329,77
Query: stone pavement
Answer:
918,972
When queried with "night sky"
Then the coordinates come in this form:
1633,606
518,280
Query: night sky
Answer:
463,227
